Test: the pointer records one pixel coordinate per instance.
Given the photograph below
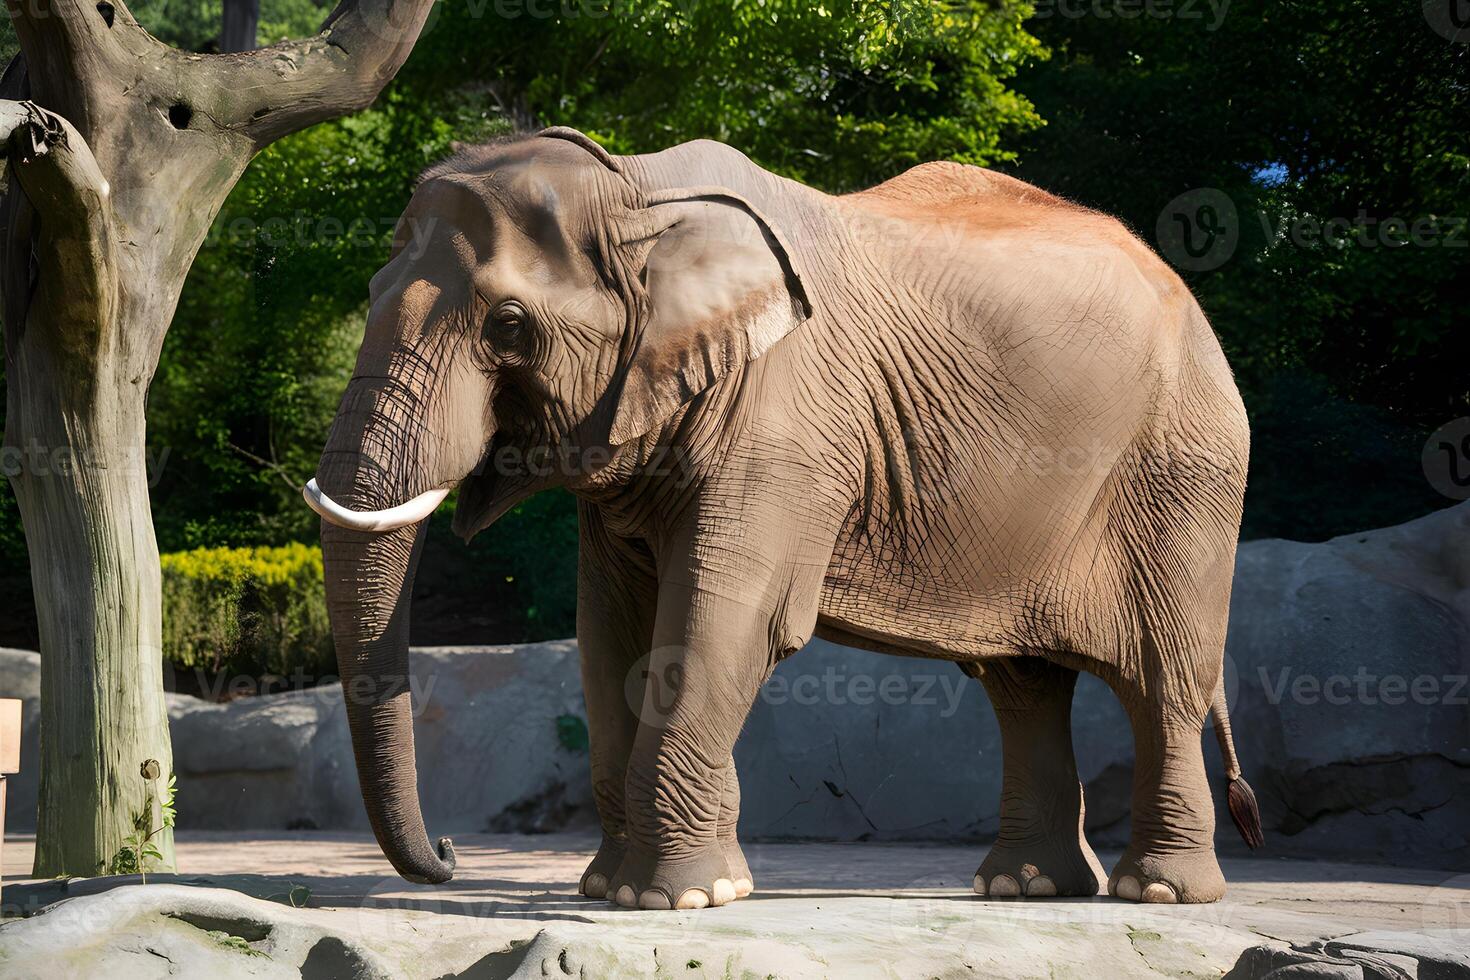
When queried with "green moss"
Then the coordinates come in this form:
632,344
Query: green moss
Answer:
235,943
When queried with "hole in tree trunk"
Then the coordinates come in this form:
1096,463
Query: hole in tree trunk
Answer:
108,12
180,114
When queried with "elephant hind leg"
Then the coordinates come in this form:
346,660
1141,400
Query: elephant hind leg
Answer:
1040,850
1171,855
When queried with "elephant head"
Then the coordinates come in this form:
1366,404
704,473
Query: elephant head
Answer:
536,300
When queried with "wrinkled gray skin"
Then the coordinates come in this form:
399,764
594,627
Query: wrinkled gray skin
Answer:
948,417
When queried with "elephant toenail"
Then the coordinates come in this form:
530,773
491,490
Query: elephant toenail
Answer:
626,897
1004,886
654,900
1128,888
723,893
1041,887
693,898
743,887
1159,893
595,886
979,885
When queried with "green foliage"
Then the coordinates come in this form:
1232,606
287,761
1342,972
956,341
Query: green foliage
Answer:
840,94
139,853
251,612
537,541
1349,350
271,318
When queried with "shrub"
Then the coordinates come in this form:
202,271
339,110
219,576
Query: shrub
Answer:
247,611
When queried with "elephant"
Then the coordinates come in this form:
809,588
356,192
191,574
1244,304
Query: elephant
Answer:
951,416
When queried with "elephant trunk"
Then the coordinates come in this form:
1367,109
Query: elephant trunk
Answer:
369,581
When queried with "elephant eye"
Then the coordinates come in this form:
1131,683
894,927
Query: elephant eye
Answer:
508,323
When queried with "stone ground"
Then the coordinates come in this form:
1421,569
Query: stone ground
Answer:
820,910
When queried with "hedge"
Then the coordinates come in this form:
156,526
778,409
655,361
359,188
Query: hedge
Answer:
253,612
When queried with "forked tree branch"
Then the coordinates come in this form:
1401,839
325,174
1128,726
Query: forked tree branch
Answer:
77,50
276,91
84,54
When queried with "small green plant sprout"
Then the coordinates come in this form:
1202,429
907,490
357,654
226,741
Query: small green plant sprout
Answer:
139,852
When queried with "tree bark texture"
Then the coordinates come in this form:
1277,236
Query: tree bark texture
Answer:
121,152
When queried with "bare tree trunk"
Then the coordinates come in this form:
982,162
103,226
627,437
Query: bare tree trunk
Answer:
113,187
240,25
83,494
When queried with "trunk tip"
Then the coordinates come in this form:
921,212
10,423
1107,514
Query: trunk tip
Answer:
446,854
437,872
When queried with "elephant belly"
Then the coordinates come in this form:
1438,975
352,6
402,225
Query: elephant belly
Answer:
961,595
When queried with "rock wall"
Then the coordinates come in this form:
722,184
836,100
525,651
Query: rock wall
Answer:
1347,678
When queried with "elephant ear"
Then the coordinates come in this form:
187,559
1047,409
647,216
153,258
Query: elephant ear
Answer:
722,290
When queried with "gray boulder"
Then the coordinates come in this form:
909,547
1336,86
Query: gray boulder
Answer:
1350,700
491,734
499,735
1364,956
1347,666
162,930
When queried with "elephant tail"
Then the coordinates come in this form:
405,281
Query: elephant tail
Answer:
1244,810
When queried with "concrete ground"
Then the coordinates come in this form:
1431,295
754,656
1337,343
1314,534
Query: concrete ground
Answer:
840,910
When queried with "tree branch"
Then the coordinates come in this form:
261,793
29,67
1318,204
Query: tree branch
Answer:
276,91
55,168
75,50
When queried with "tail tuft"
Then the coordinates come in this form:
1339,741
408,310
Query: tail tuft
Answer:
1246,812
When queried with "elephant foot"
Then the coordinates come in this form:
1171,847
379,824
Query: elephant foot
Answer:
1039,871
702,880
604,865
740,875
1168,878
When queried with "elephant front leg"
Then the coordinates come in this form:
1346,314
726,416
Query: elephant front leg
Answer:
729,822
712,652
617,597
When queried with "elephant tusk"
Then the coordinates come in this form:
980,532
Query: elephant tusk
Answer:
391,519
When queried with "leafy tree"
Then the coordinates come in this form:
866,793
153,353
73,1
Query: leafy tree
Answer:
1348,347
839,94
